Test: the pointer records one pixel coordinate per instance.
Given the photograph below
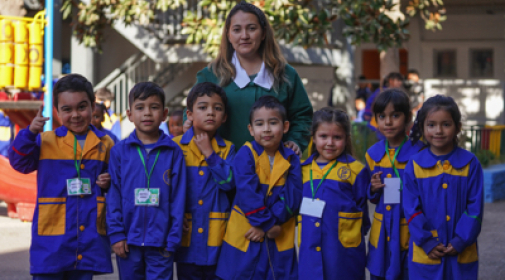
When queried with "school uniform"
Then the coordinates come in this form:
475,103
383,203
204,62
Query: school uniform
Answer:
443,201
389,236
265,197
6,134
207,205
332,243
112,122
152,224
68,231
111,135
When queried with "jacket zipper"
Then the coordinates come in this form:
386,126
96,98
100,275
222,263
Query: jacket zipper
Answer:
145,208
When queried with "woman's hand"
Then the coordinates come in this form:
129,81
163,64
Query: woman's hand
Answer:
187,125
293,146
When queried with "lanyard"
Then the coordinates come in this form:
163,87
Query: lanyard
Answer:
144,164
394,159
77,165
320,182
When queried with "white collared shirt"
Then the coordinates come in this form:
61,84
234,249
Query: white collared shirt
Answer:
264,78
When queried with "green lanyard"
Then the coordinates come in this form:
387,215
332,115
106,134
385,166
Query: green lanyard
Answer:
77,165
394,159
320,182
144,164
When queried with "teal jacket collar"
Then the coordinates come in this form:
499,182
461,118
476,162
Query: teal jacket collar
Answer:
188,136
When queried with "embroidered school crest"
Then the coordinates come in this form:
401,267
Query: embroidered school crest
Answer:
167,176
344,173
101,147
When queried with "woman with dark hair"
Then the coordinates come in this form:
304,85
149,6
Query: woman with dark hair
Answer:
249,65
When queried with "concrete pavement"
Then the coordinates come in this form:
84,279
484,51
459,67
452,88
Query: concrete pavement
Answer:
15,242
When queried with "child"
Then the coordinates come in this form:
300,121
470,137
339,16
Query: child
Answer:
259,239
111,121
389,237
97,119
175,123
208,159
145,205
68,231
334,215
443,195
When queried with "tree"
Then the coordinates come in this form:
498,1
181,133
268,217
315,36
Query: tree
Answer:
299,22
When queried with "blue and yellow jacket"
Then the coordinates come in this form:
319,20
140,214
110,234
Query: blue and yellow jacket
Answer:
443,204
264,198
6,134
333,247
144,225
111,135
68,232
112,122
389,235
207,205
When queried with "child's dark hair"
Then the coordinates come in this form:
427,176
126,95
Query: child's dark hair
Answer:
176,113
145,90
205,88
392,76
73,83
269,102
336,116
101,107
432,104
398,98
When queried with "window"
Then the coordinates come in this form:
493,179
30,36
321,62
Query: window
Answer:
481,63
445,63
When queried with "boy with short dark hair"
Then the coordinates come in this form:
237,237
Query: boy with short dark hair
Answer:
259,239
97,119
208,161
69,240
145,204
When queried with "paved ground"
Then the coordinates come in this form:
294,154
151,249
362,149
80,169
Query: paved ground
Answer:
15,241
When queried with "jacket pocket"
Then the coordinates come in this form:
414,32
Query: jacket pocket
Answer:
217,228
469,255
420,256
186,237
349,229
404,235
375,232
238,225
52,215
286,239
100,218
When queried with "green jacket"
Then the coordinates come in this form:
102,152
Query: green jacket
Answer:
291,94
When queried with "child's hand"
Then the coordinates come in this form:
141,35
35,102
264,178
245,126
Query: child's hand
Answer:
255,234
121,248
103,181
185,226
437,252
450,250
37,125
187,125
274,231
376,183
202,141
293,146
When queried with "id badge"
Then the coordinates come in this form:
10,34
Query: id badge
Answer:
312,207
147,197
392,190
78,186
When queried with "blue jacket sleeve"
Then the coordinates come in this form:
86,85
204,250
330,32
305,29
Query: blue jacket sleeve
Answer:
250,198
419,227
25,152
373,196
221,170
469,225
177,200
360,190
115,223
290,198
